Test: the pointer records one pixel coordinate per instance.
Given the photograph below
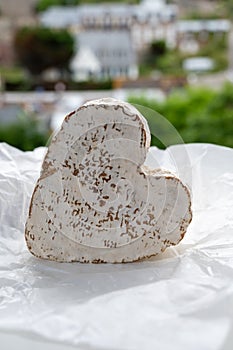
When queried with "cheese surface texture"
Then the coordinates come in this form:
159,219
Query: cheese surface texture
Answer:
95,201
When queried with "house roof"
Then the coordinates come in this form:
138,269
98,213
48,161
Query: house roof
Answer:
59,16
198,64
64,16
214,25
99,9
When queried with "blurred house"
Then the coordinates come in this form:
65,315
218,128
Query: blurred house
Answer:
198,26
104,54
197,6
148,21
198,64
153,20
190,33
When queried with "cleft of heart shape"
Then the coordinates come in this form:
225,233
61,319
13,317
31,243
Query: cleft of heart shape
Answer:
95,201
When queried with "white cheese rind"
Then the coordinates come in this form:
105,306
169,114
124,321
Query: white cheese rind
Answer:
95,201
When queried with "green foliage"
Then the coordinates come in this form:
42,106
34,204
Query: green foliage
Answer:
152,56
170,61
38,48
228,6
14,78
199,115
26,134
195,14
216,47
12,74
90,85
43,5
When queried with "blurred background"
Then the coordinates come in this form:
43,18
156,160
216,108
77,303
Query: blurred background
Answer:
174,56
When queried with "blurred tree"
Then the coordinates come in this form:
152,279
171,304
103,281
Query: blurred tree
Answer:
26,133
158,47
198,114
39,48
43,5
158,57
228,4
156,50
215,123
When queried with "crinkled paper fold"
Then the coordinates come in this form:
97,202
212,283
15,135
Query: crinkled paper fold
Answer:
182,299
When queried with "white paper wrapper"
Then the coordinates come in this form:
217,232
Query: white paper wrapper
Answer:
182,299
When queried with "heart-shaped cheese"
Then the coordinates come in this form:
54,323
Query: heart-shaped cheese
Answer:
95,201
